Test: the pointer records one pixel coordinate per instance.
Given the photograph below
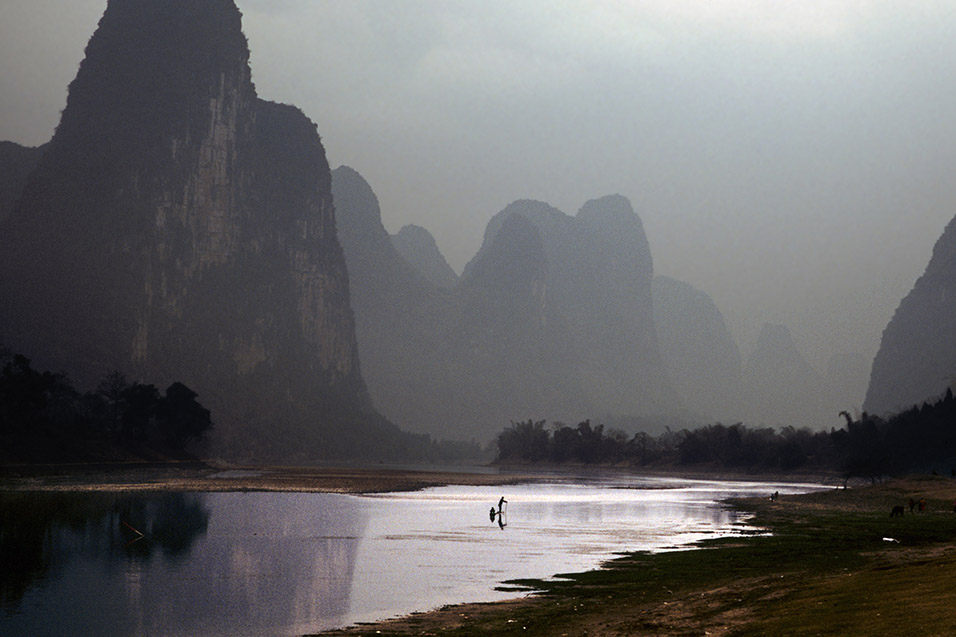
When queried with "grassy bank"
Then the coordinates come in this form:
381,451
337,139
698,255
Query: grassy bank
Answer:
827,568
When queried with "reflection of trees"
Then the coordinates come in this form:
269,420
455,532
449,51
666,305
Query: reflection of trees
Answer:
170,522
40,532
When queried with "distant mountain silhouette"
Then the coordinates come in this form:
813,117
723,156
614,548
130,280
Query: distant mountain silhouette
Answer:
417,246
16,164
599,282
399,314
178,228
780,385
701,356
510,343
551,319
917,356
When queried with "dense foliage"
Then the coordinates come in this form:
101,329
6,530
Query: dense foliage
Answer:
44,418
920,439
734,447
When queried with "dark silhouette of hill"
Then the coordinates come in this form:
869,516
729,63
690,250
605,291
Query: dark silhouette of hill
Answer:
917,356
417,246
701,356
16,164
180,228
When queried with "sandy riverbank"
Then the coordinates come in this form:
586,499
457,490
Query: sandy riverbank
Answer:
202,476
196,476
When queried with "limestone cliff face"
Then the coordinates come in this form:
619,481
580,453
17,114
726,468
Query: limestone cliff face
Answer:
917,356
16,164
180,228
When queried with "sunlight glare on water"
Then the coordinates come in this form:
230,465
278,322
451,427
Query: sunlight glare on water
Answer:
293,563
442,539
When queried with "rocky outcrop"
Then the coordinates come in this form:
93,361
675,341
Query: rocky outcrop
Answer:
180,228
16,164
701,356
917,356
417,246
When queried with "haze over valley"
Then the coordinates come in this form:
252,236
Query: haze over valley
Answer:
653,215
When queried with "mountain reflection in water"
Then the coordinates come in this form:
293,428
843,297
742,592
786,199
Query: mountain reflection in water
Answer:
73,563
42,533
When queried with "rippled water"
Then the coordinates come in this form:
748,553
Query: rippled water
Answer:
289,563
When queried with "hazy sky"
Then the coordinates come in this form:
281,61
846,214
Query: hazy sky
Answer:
794,159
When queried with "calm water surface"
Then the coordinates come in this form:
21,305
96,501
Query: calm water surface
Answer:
290,563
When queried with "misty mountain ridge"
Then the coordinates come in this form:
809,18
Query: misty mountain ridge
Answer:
417,246
599,281
780,386
702,359
846,378
397,311
551,318
560,317
179,228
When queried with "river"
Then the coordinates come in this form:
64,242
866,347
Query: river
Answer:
250,563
